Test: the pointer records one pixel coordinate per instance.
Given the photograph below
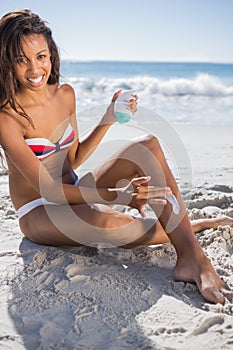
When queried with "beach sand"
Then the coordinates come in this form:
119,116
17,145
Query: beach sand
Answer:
83,298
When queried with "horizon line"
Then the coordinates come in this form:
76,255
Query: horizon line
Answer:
141,61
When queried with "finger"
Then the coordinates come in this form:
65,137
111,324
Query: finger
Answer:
158,191
149,195
157,201
131,105
141,211
145,195
156,188
134,98
140,180
133,109
116,95
149,198
132,102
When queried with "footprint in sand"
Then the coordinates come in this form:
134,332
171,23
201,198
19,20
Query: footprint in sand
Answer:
209,322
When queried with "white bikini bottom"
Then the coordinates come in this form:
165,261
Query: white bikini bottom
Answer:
26,208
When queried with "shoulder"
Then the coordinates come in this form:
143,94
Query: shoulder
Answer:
11,127
67,96
66,91
11,121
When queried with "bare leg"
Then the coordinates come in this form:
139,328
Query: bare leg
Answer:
38,227
204,224
159,236
192,264
78,225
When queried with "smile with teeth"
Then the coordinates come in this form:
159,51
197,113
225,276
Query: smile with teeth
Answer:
36,80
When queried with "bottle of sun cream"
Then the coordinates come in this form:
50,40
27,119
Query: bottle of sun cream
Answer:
121,107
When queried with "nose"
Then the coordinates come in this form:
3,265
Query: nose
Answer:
34,65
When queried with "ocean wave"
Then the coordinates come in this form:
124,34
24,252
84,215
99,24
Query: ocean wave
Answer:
201,85
204,99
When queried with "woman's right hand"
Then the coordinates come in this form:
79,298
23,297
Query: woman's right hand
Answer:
110,115
138,193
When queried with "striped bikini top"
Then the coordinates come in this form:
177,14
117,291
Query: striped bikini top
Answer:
44,148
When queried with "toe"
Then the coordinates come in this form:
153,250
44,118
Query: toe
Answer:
213,295
227,293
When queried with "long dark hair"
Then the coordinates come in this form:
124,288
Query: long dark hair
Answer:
13,27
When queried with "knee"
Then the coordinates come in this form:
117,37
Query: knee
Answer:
152,143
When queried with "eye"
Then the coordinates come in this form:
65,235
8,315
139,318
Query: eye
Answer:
41,57
22,60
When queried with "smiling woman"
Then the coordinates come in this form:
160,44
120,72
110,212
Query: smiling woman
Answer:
39,136
12,31
33,66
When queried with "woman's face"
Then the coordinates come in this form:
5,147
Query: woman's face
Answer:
33,65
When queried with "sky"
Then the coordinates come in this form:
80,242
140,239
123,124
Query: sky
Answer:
137,30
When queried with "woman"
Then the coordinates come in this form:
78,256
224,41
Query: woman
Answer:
39,136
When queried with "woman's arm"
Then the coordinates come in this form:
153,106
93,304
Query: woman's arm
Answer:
32,169
80,151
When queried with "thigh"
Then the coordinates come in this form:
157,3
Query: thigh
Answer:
123,165
77,225
138,158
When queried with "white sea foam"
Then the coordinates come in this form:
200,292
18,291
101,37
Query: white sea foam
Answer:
203,99
202,85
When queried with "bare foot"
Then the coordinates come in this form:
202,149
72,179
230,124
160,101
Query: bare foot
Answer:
204,224
201,272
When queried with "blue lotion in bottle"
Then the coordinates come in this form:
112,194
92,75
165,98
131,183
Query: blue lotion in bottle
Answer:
121,109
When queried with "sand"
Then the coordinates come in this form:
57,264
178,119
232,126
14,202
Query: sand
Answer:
83,298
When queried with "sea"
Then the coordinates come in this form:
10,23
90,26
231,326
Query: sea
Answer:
182,93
